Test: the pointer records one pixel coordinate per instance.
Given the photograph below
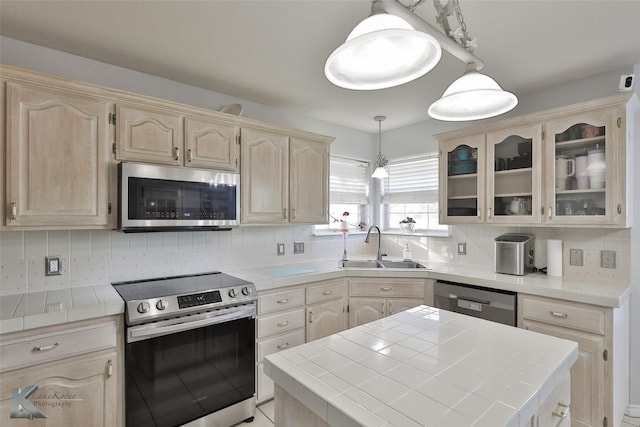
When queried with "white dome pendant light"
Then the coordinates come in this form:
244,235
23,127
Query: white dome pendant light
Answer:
473,96
381,171
382,51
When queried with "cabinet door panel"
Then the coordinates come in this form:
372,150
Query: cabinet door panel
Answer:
587,374
585,194
397,305
264,170
57,158
325,319
461,178
82,392
148,135
210,144
309,181
514,175
364,310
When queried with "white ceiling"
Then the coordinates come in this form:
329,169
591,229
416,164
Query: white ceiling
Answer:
273,52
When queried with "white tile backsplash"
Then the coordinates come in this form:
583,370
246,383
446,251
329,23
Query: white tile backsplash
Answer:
94,257
480,238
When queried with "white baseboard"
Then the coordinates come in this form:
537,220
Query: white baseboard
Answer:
633,411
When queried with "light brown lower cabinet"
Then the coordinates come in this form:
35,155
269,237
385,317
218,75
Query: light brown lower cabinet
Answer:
63,375
374,298
78,391
600,376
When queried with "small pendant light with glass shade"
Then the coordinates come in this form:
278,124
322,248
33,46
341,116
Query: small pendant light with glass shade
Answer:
382,161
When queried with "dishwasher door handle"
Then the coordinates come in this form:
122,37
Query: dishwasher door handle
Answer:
479,301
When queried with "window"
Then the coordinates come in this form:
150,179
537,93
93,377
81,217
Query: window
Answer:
411,191
348,192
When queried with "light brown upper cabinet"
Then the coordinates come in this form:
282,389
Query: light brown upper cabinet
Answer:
285,179
147,134
566,166
211,144
57,157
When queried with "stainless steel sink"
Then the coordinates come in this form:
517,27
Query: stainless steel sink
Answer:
360,264
400,264
372,263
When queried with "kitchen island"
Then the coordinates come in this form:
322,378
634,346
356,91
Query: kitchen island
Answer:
423,367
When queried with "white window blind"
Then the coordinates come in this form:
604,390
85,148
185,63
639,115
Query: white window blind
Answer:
349,181
412,180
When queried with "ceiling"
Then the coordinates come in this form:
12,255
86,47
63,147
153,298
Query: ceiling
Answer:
273,52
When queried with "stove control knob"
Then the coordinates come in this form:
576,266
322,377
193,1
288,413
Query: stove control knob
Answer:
162,304
246,291
143,307
233,293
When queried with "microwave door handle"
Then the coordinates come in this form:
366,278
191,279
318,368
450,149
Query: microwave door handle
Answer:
139,333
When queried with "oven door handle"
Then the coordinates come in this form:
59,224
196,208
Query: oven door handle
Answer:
143,332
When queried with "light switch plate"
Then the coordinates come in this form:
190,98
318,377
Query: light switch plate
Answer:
280,248
52,266
462,248
576,257
298,247
608,259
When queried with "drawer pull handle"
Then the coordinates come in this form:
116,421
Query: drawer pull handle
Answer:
311,317
46,347
281,324
283,346
386,288
109,368
14,210
560,315
327,293
176,153
282,301
189,156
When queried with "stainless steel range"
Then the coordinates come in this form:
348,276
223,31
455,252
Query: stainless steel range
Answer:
190,350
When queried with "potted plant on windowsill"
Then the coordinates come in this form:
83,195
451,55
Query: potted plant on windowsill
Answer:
407,225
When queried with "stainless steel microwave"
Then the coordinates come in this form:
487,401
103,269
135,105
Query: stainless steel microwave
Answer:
167,198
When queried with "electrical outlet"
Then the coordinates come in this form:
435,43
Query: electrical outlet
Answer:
462,248
52,266
608,259
280,248
576,257
298,247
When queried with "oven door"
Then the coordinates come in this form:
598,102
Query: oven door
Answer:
183,376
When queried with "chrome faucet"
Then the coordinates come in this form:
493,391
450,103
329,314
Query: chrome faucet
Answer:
380,254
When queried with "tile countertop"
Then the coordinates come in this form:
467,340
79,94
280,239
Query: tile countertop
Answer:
603,292
32,310
38,309
424,367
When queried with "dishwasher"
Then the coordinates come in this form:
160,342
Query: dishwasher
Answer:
477,301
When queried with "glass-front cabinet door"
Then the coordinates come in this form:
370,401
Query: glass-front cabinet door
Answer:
581,168
514,171
462,182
